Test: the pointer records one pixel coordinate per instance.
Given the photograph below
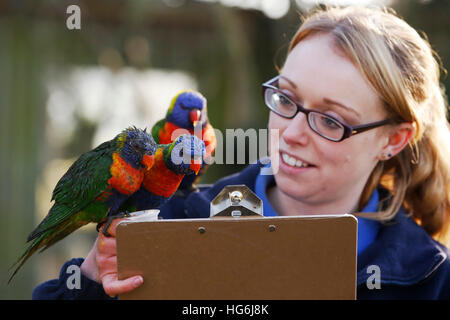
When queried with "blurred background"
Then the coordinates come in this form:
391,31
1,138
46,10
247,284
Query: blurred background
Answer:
62,91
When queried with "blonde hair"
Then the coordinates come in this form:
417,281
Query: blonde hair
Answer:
401,67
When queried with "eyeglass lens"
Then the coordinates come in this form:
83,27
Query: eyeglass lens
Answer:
320,123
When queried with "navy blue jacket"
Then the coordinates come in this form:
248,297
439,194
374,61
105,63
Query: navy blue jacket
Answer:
411,264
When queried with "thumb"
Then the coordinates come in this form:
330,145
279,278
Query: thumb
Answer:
113,286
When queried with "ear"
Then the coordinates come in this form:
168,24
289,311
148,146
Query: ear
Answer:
398,138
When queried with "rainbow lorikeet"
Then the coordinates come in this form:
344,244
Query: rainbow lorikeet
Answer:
187,112
173,162
94,188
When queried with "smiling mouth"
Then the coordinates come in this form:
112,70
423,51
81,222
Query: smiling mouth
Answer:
294,162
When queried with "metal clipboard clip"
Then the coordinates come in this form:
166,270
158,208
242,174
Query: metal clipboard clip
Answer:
236,201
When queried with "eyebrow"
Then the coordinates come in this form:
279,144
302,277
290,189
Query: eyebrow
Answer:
289,81
329,101
325,100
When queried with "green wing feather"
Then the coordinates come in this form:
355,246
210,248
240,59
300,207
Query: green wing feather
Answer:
85,180
157,128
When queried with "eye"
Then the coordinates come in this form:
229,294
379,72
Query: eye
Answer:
183,106
283,100
138,147
329,123
283,103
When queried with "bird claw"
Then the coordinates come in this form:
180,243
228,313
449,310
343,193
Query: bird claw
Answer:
109,221
99,225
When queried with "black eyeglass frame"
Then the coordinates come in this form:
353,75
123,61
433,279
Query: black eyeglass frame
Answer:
348,130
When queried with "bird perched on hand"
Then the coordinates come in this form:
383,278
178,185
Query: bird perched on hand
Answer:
94,188
173,162
187,114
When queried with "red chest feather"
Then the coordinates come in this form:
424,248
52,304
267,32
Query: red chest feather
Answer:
125,178
159,180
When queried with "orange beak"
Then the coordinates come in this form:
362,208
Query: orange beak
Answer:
148,161
194,116
195,167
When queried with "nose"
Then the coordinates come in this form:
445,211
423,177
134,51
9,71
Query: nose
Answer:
297,130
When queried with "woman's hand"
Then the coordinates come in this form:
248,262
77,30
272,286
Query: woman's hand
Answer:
101,264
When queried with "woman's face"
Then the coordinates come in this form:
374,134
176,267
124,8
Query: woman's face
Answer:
317,76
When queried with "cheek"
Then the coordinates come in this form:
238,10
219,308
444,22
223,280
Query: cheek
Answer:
342,158
335,156
353,157
274,122
369,145
275,130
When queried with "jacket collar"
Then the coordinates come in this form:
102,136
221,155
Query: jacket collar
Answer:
402,250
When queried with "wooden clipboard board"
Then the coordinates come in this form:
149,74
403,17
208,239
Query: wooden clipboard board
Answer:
262,258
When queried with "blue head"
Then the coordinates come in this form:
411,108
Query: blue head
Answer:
185,155
187,110
137,147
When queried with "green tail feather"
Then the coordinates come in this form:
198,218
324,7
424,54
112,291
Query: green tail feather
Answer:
32,248
44,241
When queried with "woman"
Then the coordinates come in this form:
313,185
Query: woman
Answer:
363,130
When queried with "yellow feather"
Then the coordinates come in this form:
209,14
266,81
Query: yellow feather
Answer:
121,140
174,99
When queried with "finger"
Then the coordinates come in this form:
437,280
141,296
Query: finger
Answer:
106,246
106,265
113,286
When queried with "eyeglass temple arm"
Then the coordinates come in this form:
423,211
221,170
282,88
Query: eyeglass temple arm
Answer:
269,83
359,129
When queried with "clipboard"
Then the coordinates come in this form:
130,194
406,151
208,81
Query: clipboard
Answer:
245,258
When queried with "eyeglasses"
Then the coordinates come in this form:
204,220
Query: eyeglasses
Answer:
323,124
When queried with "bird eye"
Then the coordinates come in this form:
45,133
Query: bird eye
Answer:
138,147
183,106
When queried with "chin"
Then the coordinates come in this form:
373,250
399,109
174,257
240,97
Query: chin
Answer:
291,188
